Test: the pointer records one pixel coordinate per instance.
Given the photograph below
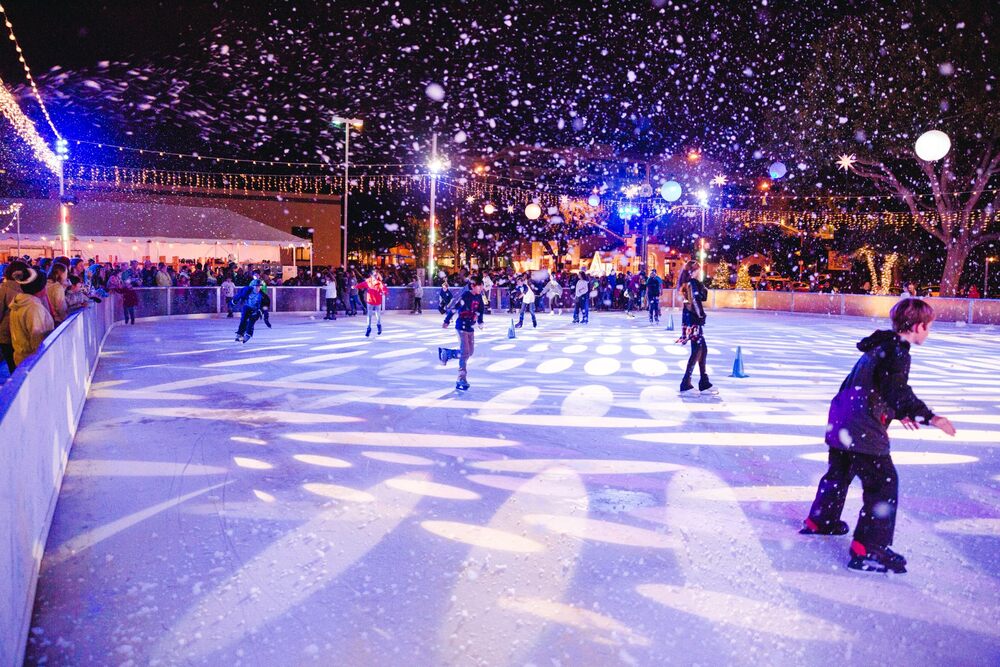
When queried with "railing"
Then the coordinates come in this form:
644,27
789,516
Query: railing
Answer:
40,407
162,301
970,311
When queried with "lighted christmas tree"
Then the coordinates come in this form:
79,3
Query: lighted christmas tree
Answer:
721,278
743,278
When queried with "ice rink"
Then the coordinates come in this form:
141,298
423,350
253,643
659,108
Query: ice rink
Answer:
316,497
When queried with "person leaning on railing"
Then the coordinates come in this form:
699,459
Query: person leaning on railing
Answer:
30,320
9,289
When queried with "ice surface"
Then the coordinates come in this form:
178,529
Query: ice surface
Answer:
316,497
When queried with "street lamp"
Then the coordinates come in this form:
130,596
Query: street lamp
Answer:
348,123
986,278
703,203
435,166
62,150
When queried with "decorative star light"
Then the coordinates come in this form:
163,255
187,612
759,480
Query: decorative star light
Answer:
847,161
720,180
470,199
510,209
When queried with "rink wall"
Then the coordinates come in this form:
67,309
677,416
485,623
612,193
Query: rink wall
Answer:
40,408
163,301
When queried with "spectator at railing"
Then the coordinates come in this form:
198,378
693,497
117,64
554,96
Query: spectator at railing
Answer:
30,320
55,290
9,289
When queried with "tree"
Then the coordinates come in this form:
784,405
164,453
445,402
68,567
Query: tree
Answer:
721,278
878,83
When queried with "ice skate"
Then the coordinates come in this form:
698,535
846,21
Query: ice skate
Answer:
239,338
444,354
461,385
810,527
710,390
379,329
246,337
368,332
878,560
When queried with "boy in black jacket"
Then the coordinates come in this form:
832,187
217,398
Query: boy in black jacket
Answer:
875,393
469,307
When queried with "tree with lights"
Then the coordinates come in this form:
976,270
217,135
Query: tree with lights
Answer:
743,281
721,278
880,84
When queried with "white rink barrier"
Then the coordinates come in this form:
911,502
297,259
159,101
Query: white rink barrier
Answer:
40,409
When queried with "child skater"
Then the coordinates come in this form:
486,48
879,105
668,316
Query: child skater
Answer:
693,322
470,309
375,292
875,393
250,299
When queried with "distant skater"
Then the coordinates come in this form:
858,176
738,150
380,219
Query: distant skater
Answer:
875,392
375,292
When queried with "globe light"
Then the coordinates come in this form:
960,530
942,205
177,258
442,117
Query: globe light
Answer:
532,211
489,208
777,170
932,145
594,201
671,190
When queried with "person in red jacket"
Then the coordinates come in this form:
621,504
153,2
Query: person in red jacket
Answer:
375,292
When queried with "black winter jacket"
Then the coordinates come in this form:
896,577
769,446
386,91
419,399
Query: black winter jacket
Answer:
875,393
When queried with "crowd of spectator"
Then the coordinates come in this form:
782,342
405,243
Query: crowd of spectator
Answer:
36,295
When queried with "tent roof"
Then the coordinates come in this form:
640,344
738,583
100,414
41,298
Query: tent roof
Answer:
100,220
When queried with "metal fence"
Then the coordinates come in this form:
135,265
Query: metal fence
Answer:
161,301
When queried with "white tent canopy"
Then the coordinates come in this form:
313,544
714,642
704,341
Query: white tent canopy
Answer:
121,231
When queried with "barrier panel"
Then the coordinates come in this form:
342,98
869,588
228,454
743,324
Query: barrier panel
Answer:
817,304
40,408
774,301
985,311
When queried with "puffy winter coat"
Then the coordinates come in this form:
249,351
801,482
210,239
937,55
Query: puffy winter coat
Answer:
30,323
876,392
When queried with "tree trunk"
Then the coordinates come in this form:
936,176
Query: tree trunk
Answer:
954,263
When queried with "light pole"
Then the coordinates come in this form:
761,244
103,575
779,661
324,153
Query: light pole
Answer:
703,203
436,165
986,278
17,221
348,123
62,150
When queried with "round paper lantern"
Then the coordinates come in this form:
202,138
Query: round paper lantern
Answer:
777,170
533,211
489,208
594,201
646,190
933,145
671,190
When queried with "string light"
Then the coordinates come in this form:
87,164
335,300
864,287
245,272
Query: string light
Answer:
218,159
27,71
25,129
13,208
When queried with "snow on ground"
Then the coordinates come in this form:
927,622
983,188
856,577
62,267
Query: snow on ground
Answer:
316,497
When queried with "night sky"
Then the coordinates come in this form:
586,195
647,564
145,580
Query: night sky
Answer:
646,78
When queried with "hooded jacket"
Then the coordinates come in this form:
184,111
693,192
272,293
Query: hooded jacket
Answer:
30,323
875,392
9,289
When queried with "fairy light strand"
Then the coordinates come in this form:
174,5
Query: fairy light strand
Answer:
27,71
25,129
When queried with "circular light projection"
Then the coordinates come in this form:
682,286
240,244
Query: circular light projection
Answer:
986,527
574,349
581,466
401,459
533,211
602,366
603,531
553,366
336,492
765,494
480,536
405,440
322,461
609,350
650,367
713,439
932,145
671,191
252,464
421,487
592,400
754,614
909,458
505,365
